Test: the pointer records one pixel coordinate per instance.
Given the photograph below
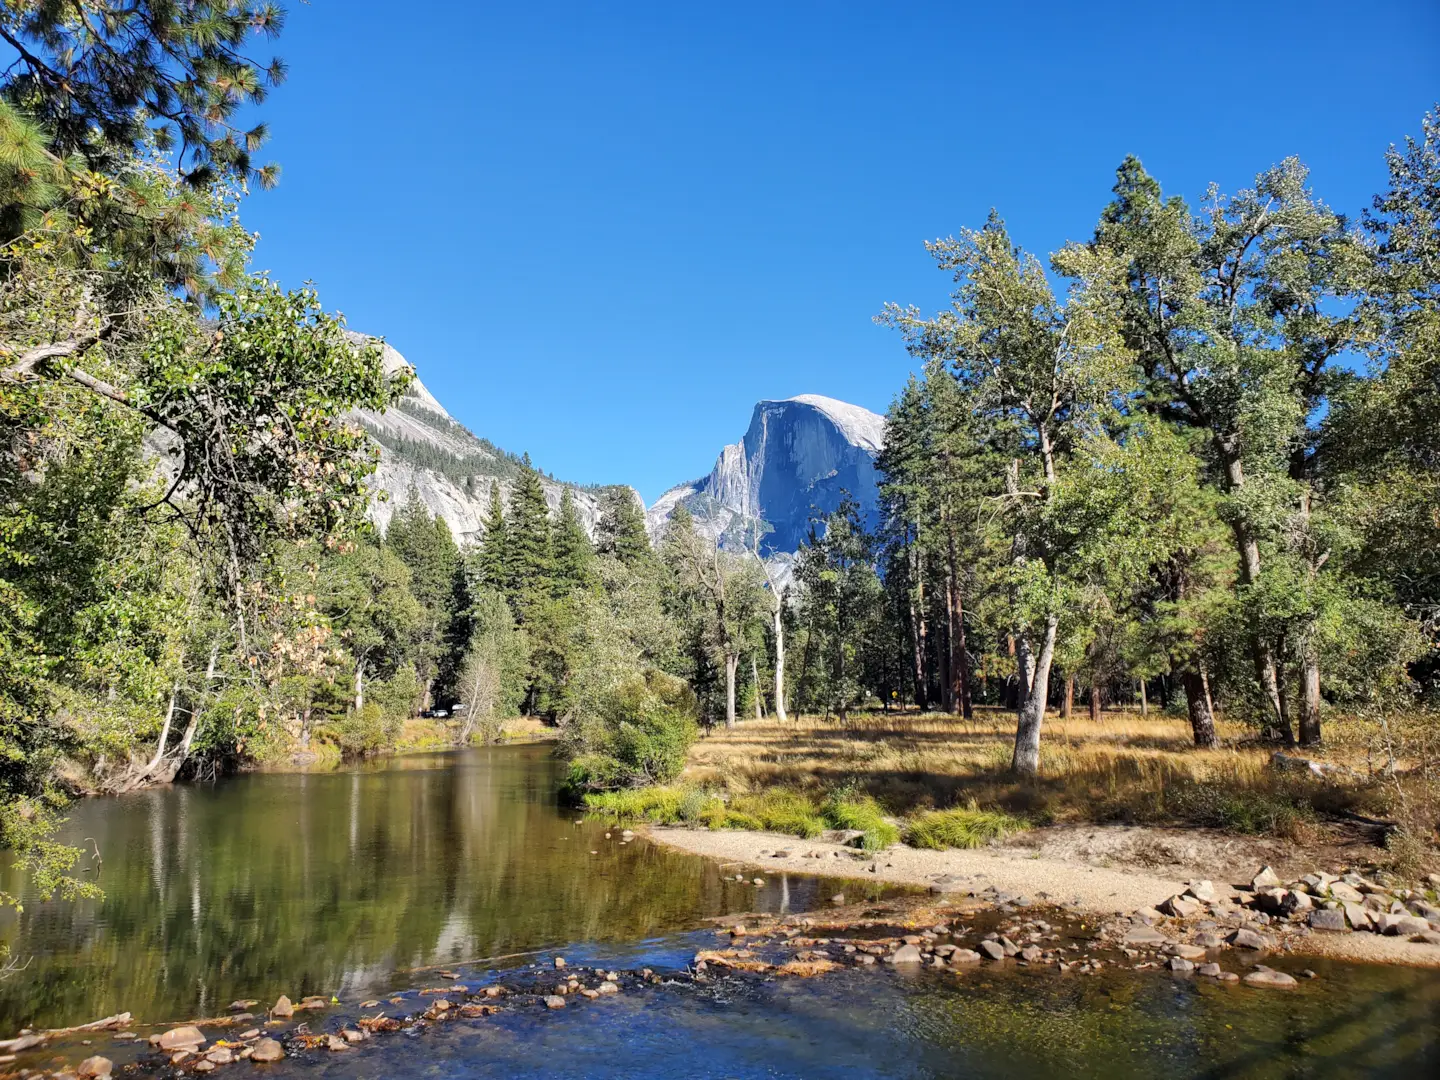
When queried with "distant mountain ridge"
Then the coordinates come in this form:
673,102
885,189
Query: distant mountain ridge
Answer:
795,461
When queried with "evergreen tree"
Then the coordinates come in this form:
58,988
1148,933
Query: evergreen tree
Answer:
621,529
528,566
425,544
573,557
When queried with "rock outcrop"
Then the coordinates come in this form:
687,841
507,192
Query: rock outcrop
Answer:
796,461
426,450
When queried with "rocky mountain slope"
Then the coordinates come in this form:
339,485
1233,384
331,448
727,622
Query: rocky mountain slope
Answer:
424,449
794,463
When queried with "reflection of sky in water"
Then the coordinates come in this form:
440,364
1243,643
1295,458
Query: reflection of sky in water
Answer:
330,882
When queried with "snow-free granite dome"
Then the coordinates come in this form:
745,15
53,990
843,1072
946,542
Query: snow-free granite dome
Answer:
796,461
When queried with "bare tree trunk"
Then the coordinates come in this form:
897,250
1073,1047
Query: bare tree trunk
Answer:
1069,706
1026,760
154,762
1024,672
759,698
359,684
1310,692
1285,731
959,696
1144,703
780,661
1094,700
732,662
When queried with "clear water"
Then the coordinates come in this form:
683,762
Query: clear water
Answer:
365,881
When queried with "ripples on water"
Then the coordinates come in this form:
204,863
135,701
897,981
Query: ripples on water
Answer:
347,882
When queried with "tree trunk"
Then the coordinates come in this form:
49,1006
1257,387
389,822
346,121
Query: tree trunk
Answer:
1094,701
755,678
1197,702
1069,706
359,685
1024,672
917,657
732,662
1310,692
1026,760
1285,731
1144,704
154,762
780,661
959,666
1249,547
947,679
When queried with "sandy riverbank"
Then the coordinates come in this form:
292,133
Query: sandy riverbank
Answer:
1094,890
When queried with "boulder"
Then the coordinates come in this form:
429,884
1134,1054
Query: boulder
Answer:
1264,877
282,1009
1293,903
1405,925
1357,916
1245,938
1327,919
1031,953
95,1068
267,1050
1179,963
219,1055
964,956
554,1001
1144,935
1186,952
608,987
182,1038
992,949
1204,891
1180,907
1274,980
1211,970
1208,939
1345,893
1429,912
906,954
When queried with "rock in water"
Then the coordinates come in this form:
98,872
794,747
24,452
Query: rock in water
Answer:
95,1068
906,954
993,949
282,1009
554,1001
182,1038
267,1050
1264,977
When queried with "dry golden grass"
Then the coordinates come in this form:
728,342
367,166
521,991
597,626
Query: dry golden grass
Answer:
1123,768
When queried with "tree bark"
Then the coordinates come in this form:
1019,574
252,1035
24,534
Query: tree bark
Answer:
1249,547
1069,706
154,762
780,661
1310,693
1094,701
732,662
359,684
1197,703
1026,760
755,678
1144,704
959,696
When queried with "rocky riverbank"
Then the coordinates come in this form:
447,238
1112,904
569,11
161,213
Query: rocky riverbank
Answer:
1357,915
991,931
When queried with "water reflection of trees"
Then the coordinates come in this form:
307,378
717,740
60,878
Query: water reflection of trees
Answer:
315,883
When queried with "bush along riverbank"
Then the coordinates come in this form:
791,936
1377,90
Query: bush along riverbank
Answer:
950,935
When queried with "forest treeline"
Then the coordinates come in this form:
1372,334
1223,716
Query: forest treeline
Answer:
1192,459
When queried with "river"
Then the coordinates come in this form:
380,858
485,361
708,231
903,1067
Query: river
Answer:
364,881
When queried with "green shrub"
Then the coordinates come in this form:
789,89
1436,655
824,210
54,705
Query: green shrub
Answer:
962,827
657,804
1258,813
638,736
846,811
779,811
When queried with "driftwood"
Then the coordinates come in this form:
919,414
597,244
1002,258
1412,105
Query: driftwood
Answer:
25,1042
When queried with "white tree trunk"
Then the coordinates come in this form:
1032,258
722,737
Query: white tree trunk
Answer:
732,663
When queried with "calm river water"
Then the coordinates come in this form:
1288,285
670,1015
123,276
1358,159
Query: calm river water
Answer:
346,883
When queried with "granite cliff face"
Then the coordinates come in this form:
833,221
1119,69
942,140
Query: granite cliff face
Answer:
424,449
794,463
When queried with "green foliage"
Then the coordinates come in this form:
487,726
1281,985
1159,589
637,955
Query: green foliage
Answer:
1256,813
639,735
962,827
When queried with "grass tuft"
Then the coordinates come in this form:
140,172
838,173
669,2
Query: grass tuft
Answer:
962,827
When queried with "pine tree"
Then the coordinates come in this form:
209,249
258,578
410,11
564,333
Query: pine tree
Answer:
489,561
529,563
425,545
621,529
573,558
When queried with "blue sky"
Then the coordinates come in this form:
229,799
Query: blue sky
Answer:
603,232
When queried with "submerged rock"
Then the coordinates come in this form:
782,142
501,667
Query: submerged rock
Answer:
182,1038
1265,977
95,1068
